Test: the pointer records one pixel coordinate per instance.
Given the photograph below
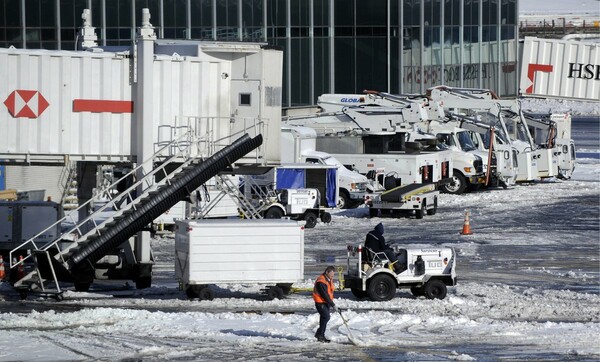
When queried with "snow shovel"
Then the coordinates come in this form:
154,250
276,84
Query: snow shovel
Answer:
350,335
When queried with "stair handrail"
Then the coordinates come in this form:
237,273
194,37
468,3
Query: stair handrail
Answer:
188,137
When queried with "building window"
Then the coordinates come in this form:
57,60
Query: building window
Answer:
245,99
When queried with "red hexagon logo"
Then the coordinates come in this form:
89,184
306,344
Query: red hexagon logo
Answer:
26,103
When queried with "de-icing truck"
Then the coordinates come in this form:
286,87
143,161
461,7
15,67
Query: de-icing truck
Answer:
368,139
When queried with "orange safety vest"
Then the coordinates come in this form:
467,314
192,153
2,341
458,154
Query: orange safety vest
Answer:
330,287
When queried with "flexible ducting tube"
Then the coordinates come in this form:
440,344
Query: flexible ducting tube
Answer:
150,207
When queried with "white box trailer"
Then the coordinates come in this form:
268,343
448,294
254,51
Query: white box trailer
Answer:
560,69
268,252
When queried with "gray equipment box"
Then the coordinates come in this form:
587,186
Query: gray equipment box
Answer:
22,220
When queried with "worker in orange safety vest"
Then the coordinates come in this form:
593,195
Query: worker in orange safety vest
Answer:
323,297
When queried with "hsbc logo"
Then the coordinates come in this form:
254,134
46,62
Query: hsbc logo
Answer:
532,69
26,103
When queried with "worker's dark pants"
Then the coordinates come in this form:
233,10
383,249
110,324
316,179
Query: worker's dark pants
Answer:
323,309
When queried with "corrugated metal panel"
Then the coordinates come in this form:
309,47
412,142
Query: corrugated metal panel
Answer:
182,87
560,68
27,178
60,78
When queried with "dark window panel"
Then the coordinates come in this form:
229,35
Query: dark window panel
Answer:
372,12
489,33
202,33
300,72
471,12
67,35
252,13
395,13
321,12
452,12
299,32
371,59
299,15
32,13
174,13
49,45
13,36
490,12
47,13
344,31
433,12
412,12
276,13
322,61
97,14
509,12
345,71
32,36
13,13
201,13
321,32
48,34
344,13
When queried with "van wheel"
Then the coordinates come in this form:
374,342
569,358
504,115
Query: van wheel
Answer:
381,287
434,210
435,289
274,213
457,186
343,200
311,220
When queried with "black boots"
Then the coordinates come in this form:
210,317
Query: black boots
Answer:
322,339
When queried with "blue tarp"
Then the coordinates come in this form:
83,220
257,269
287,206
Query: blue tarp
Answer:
331,187
290,178
2,178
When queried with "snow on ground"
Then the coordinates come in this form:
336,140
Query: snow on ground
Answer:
529,288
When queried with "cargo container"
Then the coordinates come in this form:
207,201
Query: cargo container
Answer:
560,69
22,220
265,252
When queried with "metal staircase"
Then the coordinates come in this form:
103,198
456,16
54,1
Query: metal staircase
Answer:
71,256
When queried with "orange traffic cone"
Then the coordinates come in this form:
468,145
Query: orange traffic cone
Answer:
2,271
21,268
466,230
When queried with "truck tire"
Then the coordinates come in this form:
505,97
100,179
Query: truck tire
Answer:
344,200
206,294
326,217
274,213
82,287
373,212
274,293
311,220
435,289
434,210
381,287
420,212
457,186
143,282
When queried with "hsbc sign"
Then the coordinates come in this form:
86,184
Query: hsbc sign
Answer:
25,103
560,69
